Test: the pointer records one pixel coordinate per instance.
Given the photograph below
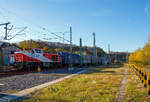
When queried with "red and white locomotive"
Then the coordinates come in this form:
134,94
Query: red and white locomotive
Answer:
33,57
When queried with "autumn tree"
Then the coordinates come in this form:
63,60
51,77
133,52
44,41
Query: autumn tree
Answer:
141,57
26,44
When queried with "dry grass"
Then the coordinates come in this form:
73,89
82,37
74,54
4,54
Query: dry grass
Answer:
10,91
96,85
135,91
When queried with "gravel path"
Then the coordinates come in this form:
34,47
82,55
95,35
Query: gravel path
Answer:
121,93
21,82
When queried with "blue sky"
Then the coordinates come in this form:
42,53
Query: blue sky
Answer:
124,24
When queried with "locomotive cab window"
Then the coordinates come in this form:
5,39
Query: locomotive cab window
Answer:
38,51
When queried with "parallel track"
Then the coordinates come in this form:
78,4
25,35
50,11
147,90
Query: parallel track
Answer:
25,71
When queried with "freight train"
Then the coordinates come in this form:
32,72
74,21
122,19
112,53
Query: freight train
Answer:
34,57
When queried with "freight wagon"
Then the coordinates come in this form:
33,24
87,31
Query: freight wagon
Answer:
65,59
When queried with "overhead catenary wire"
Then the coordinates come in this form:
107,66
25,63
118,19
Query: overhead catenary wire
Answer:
3,17
9,12
21,39
18,33
36,25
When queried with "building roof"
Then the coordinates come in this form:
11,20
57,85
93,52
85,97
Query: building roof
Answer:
3,44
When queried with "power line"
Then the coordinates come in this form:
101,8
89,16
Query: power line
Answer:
2,15
18,33
42,28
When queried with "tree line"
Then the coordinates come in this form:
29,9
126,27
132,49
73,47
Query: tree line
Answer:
141,56
54,47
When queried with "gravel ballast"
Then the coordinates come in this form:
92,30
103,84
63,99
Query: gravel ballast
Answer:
21,82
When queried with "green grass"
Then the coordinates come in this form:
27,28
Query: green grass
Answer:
96,85
135,91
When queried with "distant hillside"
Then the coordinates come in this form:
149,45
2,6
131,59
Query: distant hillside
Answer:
54,47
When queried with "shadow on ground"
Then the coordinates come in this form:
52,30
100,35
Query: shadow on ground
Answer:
112,66
8,98
92,69
101,69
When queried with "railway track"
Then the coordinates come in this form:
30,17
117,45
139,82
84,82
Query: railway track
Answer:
21,72
25,71
25,81
6,74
